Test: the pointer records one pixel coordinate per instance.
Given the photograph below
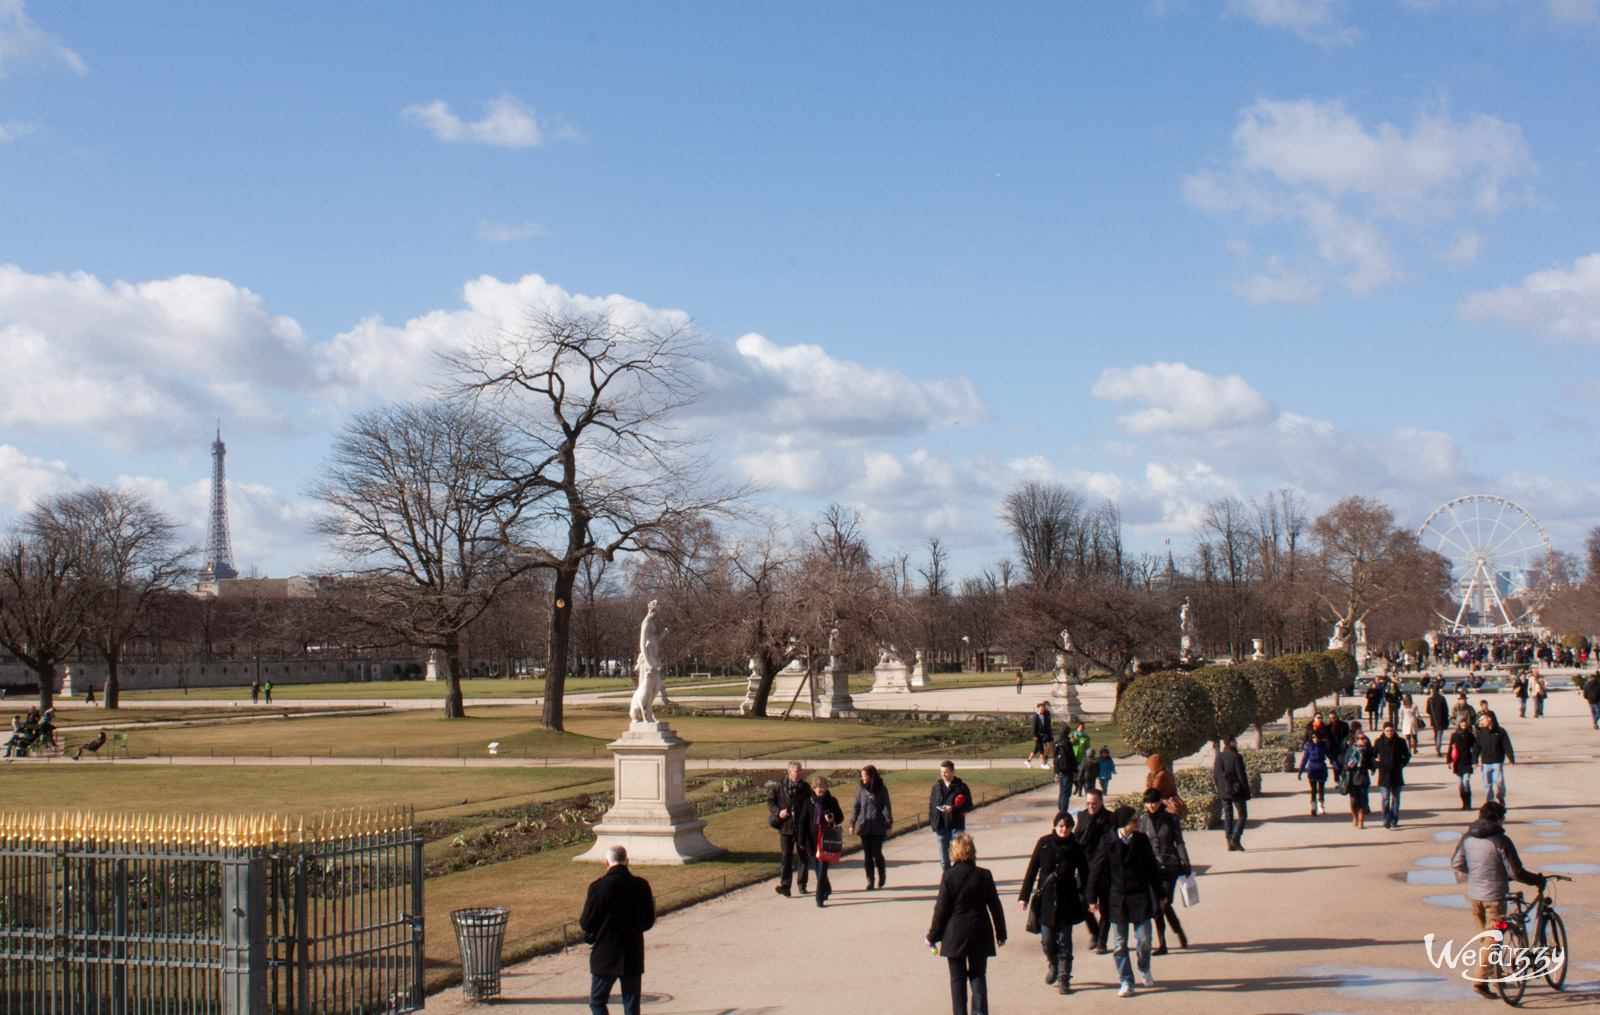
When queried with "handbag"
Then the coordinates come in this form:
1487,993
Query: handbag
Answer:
830,843
1048,884
1189,890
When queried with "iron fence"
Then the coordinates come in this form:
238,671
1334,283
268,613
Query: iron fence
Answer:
126,915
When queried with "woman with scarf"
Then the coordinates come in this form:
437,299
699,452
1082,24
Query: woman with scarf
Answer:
1062,871
1315,758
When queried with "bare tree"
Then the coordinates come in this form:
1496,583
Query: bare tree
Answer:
936,572
1281,526
43,599
422,524
593,396
131,557
1228,570
1364,561
1045,520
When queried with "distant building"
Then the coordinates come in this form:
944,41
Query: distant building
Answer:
257,588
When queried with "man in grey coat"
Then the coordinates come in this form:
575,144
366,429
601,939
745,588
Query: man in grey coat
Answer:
1489,860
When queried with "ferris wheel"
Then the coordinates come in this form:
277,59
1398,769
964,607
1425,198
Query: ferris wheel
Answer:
1492,544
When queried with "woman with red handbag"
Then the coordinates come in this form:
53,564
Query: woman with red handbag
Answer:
822,815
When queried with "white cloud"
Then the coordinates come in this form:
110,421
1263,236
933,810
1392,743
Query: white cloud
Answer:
1562,302
1315,166
1469,244
1575,12
497,232
1180,397
10,130
1312,20
23,42
138,363
25,479
507,123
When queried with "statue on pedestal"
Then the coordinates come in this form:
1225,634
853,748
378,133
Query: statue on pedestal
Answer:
1185,632
648,665
1341,635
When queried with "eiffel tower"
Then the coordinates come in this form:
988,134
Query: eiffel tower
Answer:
219,548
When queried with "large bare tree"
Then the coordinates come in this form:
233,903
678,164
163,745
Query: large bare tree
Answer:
594,397
43,598
131,557
1364,562
421,520
1045,521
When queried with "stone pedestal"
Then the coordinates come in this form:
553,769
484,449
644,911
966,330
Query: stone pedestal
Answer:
436,665
1064,700
751,687
66,682
651,818
919,674
833,687
891,678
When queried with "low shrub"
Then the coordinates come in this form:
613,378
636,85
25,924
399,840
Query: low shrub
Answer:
1167,713
1273,689
1305,677
1233,698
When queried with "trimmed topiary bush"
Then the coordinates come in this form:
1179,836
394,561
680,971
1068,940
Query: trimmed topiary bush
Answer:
1349,669
1576,642
1273,689
1167,713
1417,647
1233,698
1305,678
1329,678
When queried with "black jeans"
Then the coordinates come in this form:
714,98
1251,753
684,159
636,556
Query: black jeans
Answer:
872,855
794,855
600,993
965,970
1232,826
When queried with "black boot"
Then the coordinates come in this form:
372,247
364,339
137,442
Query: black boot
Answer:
1466,799
870,885
883,873
1064,973
1177,928
1050,966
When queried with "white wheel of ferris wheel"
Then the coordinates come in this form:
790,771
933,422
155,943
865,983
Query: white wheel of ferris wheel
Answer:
1491,543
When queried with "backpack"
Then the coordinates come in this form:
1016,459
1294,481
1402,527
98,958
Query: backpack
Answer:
1065,761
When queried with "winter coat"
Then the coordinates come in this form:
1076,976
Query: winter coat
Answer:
786,796
815,809
1438,711
1463,753
1489,860
1092,829
960,925
1358,766
1041,726
1062,870
1127,875
1390,756
1166,840
1494,746
1338,736
1160,777
959,799
618,910
872,814
1230,776
1315,759
1591,690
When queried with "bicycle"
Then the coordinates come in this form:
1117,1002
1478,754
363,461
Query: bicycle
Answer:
1515,962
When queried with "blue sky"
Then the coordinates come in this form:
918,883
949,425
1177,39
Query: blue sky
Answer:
1161,252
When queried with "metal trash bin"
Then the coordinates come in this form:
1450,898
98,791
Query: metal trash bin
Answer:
480,933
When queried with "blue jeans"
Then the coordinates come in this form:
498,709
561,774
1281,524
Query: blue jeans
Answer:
1233,827
1594,712
1119,948
824,889
600,993
1064,792
1494,781
1391,805
944,848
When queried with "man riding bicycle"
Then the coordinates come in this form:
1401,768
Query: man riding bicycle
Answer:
1487,857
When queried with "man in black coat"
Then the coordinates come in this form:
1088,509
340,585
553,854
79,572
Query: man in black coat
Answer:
1591,694
948,804
785,800
1233,789
1126,872
619,909
1094,824
1390,755
1439,719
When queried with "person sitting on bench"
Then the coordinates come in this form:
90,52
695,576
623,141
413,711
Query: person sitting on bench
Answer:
92,746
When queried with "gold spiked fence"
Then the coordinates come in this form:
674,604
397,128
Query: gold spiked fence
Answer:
109,914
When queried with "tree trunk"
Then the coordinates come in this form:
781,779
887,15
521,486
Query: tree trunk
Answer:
769,674
46,672
454,705
111,693
555,667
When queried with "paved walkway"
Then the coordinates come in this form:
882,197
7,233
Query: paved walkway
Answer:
1315,917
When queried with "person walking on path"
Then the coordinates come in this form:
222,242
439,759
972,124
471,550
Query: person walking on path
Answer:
1065,762
1391,698
1338,733
1165,832
1106,768
1521,690
1315,760
784,802
948,803
820,810
1019,681
1494,752
1374,701
619,909
1087,763
88,695
255,693
1486,855
1591,694
1061,870
1232,782
1094,826
1462,757
1390,756
266,690
1041,734
1356,779
968,924
1410,722
1126,874
1160,778
1439,719
1541,691
871,817
1463,710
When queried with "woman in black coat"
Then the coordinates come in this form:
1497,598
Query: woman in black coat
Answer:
820,809
1062,870
962,927
871,818
1166,839
1461,756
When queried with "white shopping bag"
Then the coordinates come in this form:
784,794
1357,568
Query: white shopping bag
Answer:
1189,890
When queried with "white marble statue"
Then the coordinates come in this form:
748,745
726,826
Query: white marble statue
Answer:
833,648
643,708
1341,635
1066,640
1185,622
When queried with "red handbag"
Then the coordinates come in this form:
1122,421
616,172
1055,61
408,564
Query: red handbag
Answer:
830,843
